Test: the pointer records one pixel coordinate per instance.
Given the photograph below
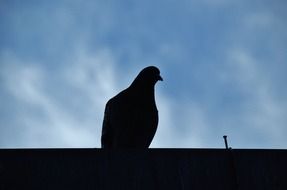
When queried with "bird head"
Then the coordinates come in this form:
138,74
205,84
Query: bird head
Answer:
148,77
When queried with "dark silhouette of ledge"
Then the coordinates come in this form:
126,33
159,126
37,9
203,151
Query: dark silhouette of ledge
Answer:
143,169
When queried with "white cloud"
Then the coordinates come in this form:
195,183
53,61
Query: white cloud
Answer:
262,112
63,105
164,136
93,78
196,132
94,74
263,20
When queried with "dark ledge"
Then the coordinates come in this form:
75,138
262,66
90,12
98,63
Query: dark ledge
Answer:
143,169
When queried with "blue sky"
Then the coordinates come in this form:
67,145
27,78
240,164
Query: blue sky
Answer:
224,66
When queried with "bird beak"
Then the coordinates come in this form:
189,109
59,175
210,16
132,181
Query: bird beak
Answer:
160,78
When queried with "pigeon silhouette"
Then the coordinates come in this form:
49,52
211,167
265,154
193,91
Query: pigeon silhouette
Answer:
131,117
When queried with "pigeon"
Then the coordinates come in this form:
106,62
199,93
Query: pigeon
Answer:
131,117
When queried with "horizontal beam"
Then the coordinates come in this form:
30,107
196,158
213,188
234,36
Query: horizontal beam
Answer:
143,169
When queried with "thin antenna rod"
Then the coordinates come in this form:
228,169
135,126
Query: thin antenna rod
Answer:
225,141
232,163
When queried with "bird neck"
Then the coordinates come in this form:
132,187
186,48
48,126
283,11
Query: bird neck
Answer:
145,91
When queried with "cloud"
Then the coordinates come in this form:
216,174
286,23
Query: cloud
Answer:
68,111
238,99
166,132
47,120
262,112
223,63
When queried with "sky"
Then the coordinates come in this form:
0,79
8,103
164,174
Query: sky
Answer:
223,62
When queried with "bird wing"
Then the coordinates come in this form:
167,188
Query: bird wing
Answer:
129,122
107,130
148,127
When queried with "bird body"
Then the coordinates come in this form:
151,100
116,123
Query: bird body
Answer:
131,117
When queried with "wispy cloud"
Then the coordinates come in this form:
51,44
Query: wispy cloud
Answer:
262,112
223,64
45,121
